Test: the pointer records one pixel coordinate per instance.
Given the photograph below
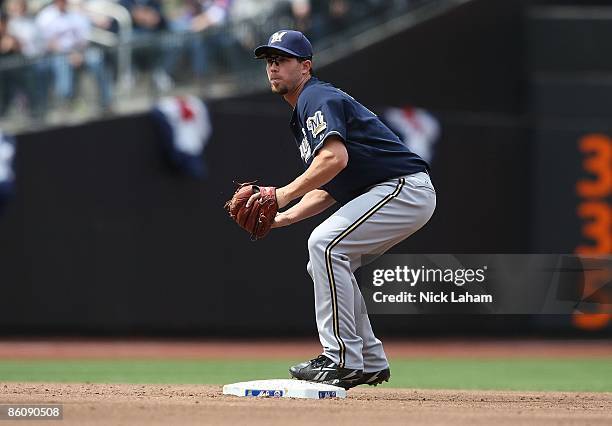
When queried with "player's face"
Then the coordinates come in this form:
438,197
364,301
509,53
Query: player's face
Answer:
284,74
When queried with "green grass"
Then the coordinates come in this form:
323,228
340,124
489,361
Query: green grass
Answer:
504,374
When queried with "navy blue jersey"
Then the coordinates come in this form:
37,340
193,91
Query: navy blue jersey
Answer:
375,153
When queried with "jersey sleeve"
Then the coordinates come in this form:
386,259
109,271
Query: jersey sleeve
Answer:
323,118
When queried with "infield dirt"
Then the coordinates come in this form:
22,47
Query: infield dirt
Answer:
123,404
98,404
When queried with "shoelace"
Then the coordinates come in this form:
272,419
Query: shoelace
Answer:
319,361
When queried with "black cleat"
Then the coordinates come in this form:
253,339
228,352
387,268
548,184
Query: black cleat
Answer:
375,378
324,370
371,379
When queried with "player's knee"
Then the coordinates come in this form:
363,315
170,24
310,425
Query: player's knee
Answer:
317,242
315,246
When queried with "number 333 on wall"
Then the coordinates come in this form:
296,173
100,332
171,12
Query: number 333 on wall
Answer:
596,215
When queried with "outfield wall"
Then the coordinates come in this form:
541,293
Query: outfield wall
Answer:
103,237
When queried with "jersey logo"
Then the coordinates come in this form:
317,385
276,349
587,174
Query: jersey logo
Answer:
316,124
277,37
305,151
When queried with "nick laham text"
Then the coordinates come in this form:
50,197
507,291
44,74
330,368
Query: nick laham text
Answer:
432,297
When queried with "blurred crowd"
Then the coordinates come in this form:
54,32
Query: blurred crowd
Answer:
45,45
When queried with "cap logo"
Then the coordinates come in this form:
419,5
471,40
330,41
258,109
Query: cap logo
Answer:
277,37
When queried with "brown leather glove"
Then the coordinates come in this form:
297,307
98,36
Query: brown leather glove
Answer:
257,219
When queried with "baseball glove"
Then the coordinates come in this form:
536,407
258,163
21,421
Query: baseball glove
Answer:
257,219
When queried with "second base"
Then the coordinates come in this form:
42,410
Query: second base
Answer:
284,388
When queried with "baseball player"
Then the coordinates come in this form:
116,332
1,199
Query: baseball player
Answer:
385,194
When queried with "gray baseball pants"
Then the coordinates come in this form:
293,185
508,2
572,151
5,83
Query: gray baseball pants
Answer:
372,223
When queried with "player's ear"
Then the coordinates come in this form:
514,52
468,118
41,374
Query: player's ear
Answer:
306,66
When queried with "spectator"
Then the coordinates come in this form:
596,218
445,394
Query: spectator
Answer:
149,22
65,35
10,76
250,17
322,18
197,17
302,15
251,9
147,15
339,15
333,16
22,27
213,13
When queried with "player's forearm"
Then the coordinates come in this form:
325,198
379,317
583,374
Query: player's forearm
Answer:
325,166
310,205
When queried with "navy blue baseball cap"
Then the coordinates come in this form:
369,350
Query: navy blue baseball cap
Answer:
286,42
